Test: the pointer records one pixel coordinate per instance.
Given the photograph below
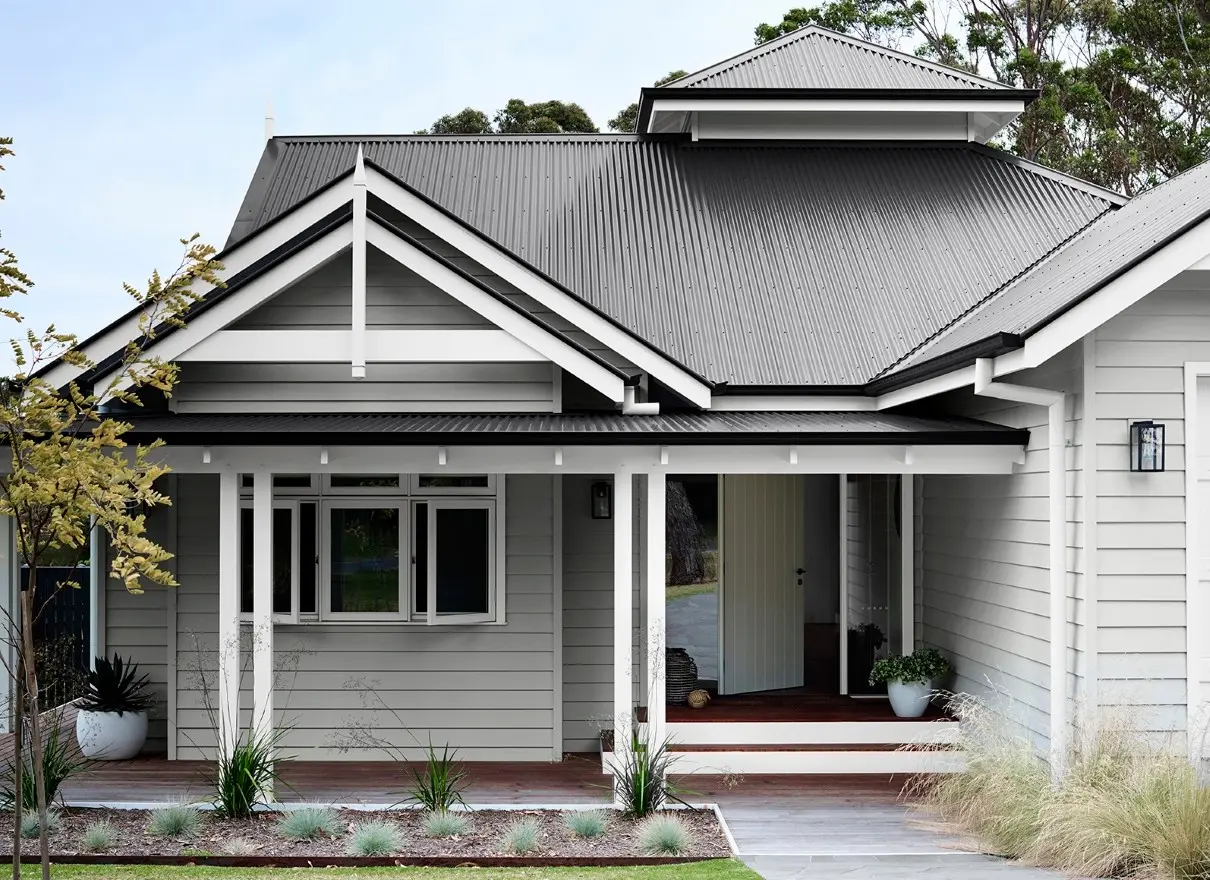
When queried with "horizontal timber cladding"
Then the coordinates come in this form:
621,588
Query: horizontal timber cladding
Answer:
588,615
485,690
984,563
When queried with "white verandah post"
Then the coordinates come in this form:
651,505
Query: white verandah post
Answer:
623,613
228,611
262,604
656,607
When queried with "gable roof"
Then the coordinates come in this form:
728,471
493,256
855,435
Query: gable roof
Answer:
814,57
1102,252
780,264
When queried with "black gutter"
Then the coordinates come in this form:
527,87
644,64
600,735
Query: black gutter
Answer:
727,389
501,298
650,93
993,346
288,249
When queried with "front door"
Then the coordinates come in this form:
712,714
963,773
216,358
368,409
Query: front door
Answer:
763,539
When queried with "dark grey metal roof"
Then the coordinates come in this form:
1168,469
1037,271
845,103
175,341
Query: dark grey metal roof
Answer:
1105,250
752,264
571,428
817,58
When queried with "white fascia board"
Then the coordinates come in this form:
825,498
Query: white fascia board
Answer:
234,261
526,331
848,105
1186,251
381,346
540,289
242,301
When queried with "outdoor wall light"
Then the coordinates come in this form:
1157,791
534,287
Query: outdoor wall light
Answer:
1146,446
602,501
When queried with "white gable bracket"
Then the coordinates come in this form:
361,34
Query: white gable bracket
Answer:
539,288
550,346
359,268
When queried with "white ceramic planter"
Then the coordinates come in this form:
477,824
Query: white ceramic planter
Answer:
909,699
108,736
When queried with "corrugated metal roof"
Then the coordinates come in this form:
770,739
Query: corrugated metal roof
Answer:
574,428
753,264
817,58
1089,261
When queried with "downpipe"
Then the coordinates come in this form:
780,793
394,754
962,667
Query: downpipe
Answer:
1056,405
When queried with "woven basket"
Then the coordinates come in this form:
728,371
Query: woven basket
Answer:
680,675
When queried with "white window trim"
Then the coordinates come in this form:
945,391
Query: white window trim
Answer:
295,574
326,614
494,582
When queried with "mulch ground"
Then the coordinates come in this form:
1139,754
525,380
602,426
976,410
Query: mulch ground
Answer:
259,837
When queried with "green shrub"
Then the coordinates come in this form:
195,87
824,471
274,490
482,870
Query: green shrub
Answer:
923,666
376,838
60,762
308,823
664,835
446,825
174,821
30,825
642,776
99,836
241,776
440,785
522,837
587,823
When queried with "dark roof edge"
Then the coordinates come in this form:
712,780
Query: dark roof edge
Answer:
992,346
727,389
288,249
501,298
445,212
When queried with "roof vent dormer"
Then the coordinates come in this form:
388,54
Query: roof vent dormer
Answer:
817,84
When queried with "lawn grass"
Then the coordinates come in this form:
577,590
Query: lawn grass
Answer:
680,591
714,870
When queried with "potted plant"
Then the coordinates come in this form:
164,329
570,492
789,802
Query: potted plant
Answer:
111,724
909,679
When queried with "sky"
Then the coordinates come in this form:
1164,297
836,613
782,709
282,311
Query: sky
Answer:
138,123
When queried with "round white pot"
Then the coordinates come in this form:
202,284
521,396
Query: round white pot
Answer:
909,699
108,736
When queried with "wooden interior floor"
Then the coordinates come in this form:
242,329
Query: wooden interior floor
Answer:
792,704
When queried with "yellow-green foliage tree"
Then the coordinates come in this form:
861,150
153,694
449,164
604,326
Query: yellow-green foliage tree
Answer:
68,467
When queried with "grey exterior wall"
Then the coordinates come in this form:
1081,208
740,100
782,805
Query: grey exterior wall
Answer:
487,690
984,563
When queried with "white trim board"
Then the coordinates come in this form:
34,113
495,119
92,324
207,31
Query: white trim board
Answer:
381,346
1197,627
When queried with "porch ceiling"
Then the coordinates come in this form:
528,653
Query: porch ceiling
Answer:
592,429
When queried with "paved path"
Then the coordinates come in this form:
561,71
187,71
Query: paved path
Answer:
693,625
954,866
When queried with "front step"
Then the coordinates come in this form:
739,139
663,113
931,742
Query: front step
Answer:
759,733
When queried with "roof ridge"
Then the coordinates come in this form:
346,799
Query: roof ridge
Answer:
819,31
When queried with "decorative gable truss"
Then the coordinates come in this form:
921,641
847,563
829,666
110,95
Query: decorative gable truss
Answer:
338,227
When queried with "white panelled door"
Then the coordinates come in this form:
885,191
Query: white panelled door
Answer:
763,601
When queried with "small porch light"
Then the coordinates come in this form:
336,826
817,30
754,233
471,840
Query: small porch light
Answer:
602,501
1146,446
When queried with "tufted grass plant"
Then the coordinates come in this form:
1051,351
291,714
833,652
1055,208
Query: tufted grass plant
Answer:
240,846
30,826
521,837
441,824
174,821
587,824
377,838
664,834
308,823
99,836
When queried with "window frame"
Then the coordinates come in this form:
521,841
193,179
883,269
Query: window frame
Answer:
295,575
400,491
418,491
495,581
324,606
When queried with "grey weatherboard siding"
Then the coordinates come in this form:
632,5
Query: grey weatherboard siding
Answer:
899,240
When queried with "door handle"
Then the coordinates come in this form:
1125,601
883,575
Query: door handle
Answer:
800,571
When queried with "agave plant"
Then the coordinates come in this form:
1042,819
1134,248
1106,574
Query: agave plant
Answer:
115,686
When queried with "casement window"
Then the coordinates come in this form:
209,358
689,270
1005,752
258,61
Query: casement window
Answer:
408,548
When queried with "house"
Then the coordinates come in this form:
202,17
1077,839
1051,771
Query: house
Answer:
428,436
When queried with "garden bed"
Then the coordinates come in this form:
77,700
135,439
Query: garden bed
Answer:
258,841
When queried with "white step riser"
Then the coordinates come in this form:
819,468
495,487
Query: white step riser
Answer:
723,763
772,733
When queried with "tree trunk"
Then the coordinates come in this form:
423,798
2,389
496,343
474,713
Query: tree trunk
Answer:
35,721
18,754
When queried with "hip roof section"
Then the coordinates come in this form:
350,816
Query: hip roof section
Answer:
749,263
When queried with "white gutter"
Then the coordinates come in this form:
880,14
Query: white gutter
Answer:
1055,402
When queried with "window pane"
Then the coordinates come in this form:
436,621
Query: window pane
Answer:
456,481
365,560
462,560
307,563
245,560
282,551
365,481
281,481
420,543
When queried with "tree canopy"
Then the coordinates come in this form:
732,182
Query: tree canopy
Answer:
517,117
627,118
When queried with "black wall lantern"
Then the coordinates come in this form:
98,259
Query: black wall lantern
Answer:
1146,446
602,501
